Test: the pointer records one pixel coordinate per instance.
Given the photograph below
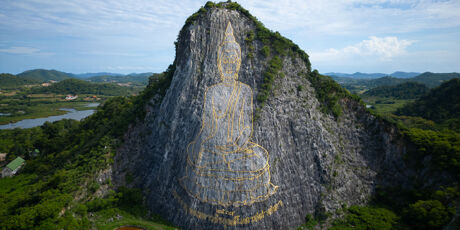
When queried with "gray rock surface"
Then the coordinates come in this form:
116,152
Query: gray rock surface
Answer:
316,162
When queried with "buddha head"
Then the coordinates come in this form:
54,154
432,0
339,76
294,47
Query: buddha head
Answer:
229,56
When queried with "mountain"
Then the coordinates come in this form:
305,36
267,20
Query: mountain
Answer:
434,79
357,75
407,90
88,75
237,133
257,152
43,75
357,85
440,104
76,86
400,74
9,81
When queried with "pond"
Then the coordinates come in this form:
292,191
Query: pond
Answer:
30,123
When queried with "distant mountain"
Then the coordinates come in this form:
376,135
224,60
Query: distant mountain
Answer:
88,75
43,75
400,74
77,86
142,78
9,81
357,85
359,75
407,90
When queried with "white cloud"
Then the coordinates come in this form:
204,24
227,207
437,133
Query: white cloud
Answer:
19,50
383,48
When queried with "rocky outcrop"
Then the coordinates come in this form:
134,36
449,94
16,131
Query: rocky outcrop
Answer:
294,161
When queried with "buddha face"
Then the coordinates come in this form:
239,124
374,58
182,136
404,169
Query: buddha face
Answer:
229,61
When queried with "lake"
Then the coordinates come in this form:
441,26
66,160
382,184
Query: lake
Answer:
30,123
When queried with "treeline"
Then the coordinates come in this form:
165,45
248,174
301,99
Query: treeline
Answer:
76,86
408,90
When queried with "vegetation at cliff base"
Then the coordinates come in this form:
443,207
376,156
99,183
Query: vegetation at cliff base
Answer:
57,189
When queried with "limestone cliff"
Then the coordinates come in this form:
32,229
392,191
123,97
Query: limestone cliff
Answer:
210,155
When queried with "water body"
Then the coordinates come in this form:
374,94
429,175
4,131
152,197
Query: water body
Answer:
30,123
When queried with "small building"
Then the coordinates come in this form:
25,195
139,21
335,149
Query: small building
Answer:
46,84
71,97
13,167
2,157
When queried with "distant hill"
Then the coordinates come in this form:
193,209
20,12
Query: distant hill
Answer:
142,78
88,75
359,75
407,90
435,79
385,81
43,75
77,86
400,74
9,81
431,80
440,104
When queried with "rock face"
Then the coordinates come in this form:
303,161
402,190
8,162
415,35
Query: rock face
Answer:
204,162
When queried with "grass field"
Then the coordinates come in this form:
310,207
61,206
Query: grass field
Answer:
386,105
113,218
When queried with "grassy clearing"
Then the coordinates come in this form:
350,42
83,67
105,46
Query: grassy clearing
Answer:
110,219
386,105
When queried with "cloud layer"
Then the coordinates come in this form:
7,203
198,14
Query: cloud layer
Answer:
86,35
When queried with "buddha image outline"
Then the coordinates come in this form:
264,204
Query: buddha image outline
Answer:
224,167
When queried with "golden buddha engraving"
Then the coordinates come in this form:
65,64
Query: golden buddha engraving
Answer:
224,167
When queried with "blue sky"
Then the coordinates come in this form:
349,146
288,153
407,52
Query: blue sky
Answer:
126,36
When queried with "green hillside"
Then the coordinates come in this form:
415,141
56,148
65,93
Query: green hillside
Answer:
43,75
76,86
408,90
435,79
442,103
9,81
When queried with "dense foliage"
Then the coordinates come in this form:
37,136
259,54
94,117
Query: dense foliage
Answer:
366,218
9,81
69,156
76,86
408,90
440,104
443,147
329,92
